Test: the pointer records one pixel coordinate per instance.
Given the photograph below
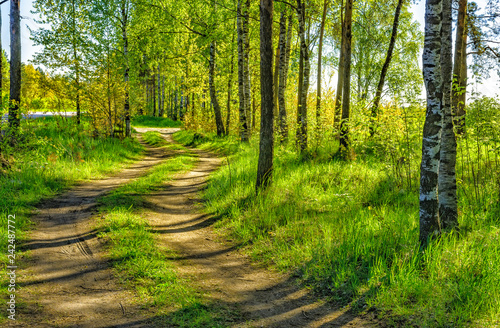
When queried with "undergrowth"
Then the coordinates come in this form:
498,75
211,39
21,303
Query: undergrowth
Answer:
349,229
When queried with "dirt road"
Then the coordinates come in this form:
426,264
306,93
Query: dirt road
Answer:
68,283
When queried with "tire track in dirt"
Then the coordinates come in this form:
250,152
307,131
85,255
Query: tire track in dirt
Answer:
265,299
66,281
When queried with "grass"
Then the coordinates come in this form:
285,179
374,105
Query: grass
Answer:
140,262
52,155
143,121
349,229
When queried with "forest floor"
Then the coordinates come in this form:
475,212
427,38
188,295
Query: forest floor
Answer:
68,281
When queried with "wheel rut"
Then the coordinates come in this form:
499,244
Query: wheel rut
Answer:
67,281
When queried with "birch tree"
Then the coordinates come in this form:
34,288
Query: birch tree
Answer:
429,168
15,65
447,184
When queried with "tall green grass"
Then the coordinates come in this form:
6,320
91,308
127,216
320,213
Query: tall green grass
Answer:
349,229
51,155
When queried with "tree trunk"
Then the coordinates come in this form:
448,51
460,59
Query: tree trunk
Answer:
346,97
243,117
213,93
266,146
124,22
1,63
385,68
431,60
460,69
447,184
277,64
340,78
162,96
229,87
15,65
304,69
281,81
285,53
153,93
320,54
246,62
160,111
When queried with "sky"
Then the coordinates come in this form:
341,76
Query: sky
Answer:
490,87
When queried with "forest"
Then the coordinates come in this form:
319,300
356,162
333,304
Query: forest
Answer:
244,163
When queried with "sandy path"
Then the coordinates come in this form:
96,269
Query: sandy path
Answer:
265,299
68,283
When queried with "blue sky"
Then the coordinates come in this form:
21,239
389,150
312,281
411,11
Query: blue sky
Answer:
490,87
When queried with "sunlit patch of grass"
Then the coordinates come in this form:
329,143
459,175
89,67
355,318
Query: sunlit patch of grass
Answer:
154,138
154,122
226,145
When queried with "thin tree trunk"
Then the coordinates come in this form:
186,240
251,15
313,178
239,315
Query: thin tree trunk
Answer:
447,184
213,93
246,61
176,101
385,68
76,63
460,69
162,96
243,118
266,146
283,81
304,69
15,65
159,91
153,93
431,60
254,111
340,73
320,54
277,63
346,97
124,22
1,63
229,87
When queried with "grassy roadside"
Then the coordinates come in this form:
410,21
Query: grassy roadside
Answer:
349,229
138,260
52,155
